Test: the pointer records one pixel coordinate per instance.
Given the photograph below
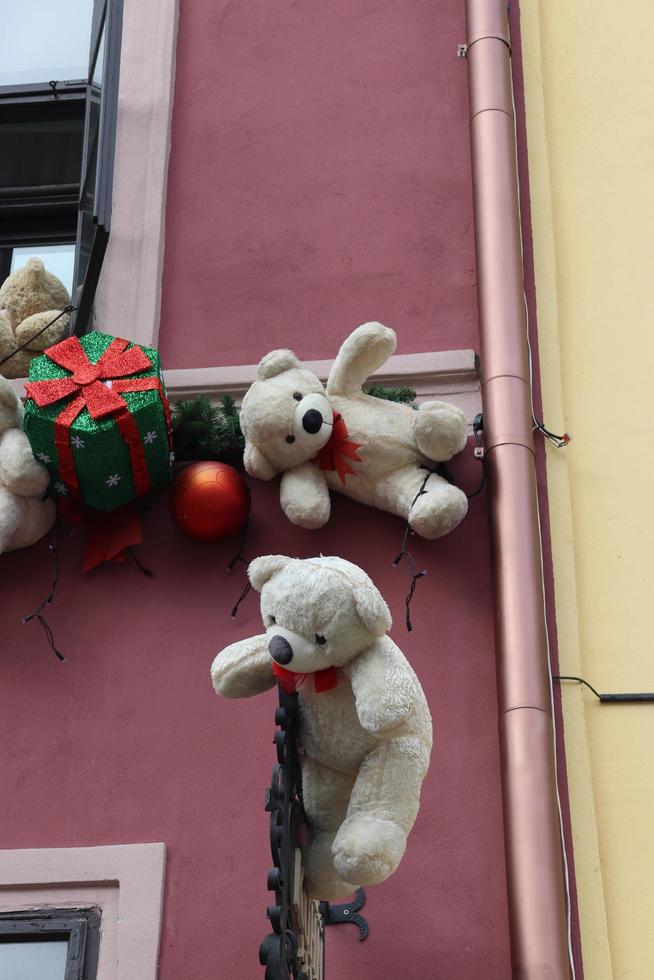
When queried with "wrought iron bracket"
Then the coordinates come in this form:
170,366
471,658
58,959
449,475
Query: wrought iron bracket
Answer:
336,915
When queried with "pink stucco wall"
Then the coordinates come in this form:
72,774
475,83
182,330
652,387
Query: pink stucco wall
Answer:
126,741
319,177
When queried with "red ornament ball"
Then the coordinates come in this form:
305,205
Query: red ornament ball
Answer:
209,501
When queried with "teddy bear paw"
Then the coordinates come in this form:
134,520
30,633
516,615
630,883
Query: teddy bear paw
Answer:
321,879
368,849
440,430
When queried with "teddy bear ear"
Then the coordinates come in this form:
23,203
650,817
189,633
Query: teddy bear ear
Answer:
256,464
372,610
262,569
276,362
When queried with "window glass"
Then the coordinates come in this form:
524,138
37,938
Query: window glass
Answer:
41,40
58,259
33,960
37,153
98,67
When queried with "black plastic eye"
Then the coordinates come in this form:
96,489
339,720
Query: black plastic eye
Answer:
290,438
320,640
297,396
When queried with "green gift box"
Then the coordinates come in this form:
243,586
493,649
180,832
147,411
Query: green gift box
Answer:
97,415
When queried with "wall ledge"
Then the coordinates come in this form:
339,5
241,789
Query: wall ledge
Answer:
451,375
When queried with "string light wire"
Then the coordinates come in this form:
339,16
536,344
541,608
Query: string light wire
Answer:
66,309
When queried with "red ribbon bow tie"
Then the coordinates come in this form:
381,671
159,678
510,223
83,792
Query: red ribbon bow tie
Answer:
323,680
86,383
336,452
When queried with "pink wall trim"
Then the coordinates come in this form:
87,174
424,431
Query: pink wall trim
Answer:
449,375
125,880
129,293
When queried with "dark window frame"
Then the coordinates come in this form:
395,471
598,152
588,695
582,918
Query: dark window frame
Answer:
79,927
78,213
97,159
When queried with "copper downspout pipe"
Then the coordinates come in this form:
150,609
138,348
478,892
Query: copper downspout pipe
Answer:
532,834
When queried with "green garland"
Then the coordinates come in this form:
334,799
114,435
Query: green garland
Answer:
205,431
202,430
403,394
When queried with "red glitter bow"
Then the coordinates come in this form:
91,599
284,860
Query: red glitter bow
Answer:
86,385
335,454
323,680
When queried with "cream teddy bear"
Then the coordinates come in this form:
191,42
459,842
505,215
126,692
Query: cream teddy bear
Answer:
376,451
364,725
30,298
24,516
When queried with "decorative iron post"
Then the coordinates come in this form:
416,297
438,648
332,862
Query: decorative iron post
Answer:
295,949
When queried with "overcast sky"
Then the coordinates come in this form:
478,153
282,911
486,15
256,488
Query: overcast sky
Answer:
43,40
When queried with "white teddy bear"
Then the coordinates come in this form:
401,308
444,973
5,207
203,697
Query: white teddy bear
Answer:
364,725
376,451
24,516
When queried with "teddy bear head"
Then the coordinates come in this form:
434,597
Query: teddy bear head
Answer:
31,290
318,612
11,408
285,417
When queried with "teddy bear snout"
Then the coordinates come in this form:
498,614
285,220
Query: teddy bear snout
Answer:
312,421
280,649
294,650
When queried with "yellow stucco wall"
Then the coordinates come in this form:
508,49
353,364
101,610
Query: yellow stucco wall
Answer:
589,90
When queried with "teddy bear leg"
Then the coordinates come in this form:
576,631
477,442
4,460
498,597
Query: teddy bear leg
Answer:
326,794
440,430
383,807
432,510
439,509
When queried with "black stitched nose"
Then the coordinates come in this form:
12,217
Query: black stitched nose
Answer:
312,421
280,650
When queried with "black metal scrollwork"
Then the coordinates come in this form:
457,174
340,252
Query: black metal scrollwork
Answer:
279,950
286,952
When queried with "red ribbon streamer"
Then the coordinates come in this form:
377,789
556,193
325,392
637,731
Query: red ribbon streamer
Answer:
323,680
335,453
86,384
108,533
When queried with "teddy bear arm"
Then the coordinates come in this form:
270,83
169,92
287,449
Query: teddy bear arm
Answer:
384,687
243,669
364,351
304,496
8,345
20,472
56,328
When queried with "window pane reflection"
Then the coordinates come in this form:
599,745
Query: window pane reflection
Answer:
33,961
57,259
41,40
